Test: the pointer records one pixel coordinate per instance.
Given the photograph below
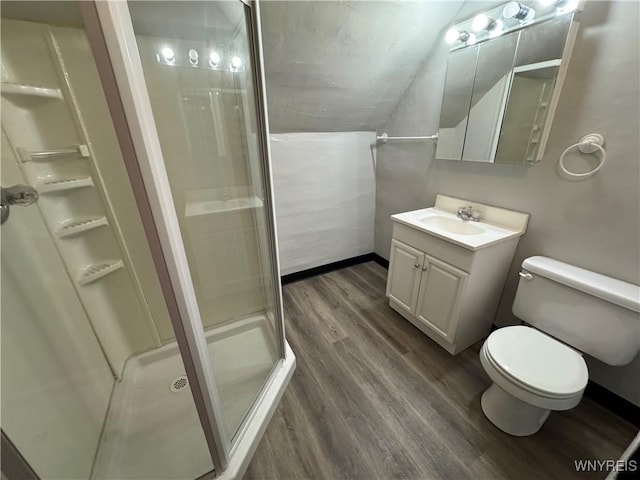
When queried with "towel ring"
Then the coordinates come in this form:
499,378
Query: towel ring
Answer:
589,144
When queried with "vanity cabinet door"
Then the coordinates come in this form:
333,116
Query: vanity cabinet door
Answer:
405,268
440,298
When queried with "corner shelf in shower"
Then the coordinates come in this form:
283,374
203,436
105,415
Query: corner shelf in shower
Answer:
79,226
93,273
63,185
28,96
75,151
208,207
22,89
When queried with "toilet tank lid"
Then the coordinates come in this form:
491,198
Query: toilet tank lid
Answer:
616,291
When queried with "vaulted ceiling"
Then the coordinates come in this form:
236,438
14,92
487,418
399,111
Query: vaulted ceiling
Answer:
344,65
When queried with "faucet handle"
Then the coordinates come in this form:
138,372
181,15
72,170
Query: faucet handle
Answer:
475,215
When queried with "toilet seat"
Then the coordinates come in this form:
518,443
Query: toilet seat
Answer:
536,362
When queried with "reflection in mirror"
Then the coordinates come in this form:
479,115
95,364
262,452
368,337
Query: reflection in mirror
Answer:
535,71
526,113
542,42
490,91
455,104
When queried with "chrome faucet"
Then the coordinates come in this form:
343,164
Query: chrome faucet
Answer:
468,213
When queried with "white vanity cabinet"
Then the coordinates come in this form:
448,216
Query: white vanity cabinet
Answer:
446,276
425,287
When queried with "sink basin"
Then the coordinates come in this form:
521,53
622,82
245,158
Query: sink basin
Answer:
496,225
452,225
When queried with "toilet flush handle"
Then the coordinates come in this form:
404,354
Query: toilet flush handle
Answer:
526,275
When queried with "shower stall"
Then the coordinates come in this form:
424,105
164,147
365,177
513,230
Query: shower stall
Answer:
142,333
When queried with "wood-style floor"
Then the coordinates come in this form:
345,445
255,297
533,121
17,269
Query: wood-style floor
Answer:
372,397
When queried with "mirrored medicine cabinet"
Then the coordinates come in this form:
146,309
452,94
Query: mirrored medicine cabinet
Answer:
500,94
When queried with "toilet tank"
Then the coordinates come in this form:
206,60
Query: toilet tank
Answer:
595,314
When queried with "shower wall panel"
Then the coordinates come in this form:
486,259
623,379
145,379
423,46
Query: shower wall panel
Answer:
85,196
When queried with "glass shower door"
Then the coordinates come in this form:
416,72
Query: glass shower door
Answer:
198,72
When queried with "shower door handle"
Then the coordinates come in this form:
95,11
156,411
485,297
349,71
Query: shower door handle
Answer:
16,195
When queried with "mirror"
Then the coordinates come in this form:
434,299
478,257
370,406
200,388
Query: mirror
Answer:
505,116
490,91
456,101
535,69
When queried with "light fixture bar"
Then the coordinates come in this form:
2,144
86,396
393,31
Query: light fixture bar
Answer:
207,59
506,18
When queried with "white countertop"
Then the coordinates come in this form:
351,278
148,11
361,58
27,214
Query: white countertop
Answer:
447,226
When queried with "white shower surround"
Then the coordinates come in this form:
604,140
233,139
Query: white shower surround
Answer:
324,186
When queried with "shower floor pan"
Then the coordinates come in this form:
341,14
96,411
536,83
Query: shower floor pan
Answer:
153,430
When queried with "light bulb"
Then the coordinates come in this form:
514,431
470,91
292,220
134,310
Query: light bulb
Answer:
546,3
193,57
168,54
214,58
236,62
452,35
480,22
497,29
518,11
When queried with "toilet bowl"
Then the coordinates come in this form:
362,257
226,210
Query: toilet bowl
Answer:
532,374
536,370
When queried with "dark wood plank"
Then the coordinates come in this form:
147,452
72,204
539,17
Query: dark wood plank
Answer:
372,397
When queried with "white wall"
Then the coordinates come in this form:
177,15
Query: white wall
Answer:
595,223
324,188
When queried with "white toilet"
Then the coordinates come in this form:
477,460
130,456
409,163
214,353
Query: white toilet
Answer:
535,372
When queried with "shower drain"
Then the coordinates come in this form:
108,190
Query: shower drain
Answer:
179,383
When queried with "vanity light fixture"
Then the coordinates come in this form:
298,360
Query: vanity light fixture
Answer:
453,35
214,59
168,55
518,11
193,57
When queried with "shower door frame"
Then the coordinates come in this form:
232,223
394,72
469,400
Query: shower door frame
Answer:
110,31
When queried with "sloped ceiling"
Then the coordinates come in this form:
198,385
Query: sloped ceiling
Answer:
344,65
